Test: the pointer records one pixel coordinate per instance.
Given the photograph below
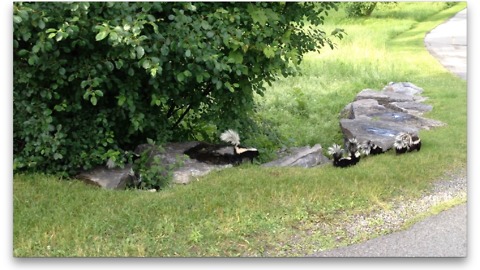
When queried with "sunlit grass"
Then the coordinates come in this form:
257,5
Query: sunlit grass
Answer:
255,211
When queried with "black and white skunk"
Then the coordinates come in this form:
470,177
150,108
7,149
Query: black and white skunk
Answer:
232,137
223,154
370,148
406,142
342,158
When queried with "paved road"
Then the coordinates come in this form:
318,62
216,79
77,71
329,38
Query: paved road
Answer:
442,235
445,234
448,43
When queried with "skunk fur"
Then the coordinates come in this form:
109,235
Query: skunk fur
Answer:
241,153
340,159
407,142
223,154
370,148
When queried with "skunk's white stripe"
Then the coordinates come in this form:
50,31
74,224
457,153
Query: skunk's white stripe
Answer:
416,142
243,150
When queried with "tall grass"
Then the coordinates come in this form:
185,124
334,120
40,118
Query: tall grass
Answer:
255,211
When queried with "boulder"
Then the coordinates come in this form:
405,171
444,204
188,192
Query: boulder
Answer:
116,178
414,108
301,157
380,132
380,115
170,155
190,169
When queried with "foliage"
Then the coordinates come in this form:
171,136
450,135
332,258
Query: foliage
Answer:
359,9
94,79
363,9
151,171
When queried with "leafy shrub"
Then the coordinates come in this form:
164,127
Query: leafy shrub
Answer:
151,172
94,79
359,9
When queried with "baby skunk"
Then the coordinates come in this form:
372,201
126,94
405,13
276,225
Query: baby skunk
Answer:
406,142
240,153
370,148
339,157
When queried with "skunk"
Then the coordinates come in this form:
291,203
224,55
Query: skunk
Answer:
339,158
353,149
223,154
407,142
370,148
241,153
416,143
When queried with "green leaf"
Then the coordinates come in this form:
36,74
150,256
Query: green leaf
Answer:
41,24
26,36
269,52
121,100
180,77
119,63
98,93
146,64
59,36
84,83
109,65
61,71
17,19
36,48
93,100
140,51
57,156
101,35
113,36
188,53
205,25
235,57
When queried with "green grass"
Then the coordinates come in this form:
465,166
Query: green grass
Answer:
255,211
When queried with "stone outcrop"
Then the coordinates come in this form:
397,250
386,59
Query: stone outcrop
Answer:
305,157
380,115
116,178
170,155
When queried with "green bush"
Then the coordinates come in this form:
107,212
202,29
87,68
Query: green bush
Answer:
150,171
94,79
359,9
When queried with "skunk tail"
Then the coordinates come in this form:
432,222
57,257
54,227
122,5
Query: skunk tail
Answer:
230,136
335,151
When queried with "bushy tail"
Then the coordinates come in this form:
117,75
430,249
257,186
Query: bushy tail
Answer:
335,151
402,140
230,136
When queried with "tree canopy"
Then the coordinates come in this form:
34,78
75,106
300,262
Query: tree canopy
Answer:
94,79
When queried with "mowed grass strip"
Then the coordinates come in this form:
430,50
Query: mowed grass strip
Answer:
255,211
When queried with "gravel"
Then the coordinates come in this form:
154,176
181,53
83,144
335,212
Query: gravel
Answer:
356,228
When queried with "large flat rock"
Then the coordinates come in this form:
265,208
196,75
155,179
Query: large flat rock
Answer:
300,157
381,132
380,115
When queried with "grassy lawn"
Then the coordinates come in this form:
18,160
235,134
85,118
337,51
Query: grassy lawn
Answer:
255,211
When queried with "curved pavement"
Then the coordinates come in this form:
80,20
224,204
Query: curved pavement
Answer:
445,234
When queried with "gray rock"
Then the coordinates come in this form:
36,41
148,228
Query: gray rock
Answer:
172,154
406,88
193,169
301,157
380,132
116,178
414,108
380,115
